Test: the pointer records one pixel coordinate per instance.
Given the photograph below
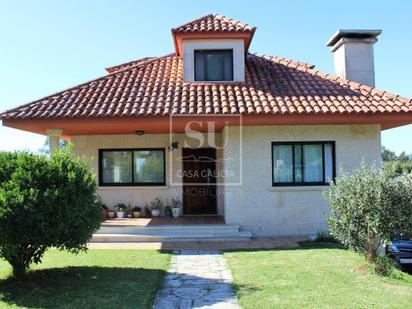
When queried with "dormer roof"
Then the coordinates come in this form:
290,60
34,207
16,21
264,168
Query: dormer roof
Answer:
212,26
214,23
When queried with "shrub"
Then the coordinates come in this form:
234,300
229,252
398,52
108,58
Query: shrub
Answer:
324,236
398,168
100,203
44,202
368,208
383,265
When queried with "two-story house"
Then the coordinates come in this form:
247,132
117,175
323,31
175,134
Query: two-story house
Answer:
253,139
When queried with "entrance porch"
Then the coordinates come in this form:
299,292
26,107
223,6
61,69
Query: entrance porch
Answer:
159,221
167,229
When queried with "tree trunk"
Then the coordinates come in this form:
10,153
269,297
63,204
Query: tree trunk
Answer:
372,246
19,269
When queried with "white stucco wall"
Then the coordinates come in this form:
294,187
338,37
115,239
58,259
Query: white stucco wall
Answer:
274,211
87,146
189,46
254,203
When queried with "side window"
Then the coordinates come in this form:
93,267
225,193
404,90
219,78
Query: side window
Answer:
303,163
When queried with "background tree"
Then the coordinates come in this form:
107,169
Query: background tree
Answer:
45,149
388,155
368,208
44,202
403,157
396,165
397,168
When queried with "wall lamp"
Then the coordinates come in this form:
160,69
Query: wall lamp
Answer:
173,146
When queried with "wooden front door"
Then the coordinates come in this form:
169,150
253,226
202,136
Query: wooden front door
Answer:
199,181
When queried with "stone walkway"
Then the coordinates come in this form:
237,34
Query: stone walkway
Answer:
197,279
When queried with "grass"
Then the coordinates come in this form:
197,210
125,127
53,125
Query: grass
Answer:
314,276
96,279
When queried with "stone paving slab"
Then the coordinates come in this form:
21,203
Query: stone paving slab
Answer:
197,279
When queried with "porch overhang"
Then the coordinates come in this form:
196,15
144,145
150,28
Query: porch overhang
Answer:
177,124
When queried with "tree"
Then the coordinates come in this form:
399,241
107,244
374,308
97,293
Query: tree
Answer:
44,202
45,149
397,168
368,208
388,155
403,157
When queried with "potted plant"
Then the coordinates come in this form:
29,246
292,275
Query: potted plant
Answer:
176,207
136,212
129,211
103,207
155,207
110,214
103,211
120,210
168,211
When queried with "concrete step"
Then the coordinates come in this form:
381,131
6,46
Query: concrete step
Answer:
172,237
118,231
165,229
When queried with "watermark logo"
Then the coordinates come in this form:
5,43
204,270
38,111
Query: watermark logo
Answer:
205,150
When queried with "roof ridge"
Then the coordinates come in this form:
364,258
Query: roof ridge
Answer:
141,60
110,75
358,86
310,68
174,29
283,60
214,16
140,63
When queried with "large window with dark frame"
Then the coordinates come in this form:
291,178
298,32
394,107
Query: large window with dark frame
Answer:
132,167
302,163
214,65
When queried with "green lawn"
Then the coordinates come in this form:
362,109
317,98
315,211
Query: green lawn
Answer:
313,277
96,279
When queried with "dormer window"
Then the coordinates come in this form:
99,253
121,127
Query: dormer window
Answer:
213,65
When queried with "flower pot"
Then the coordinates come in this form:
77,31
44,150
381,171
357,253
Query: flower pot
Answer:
176,212
155,212
110,214
136,214
120,214
168,212
103,213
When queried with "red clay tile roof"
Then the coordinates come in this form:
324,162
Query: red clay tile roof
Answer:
213,23
155,87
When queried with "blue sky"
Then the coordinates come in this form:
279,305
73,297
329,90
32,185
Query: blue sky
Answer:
47,46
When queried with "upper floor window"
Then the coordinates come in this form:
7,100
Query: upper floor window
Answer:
303,163
214,65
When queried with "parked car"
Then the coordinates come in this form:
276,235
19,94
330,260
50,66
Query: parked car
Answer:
401,251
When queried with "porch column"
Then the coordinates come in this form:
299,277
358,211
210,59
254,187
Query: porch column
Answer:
54,139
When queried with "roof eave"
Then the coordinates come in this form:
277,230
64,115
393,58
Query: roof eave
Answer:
161,123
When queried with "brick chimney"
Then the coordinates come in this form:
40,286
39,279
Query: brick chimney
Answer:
353,54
